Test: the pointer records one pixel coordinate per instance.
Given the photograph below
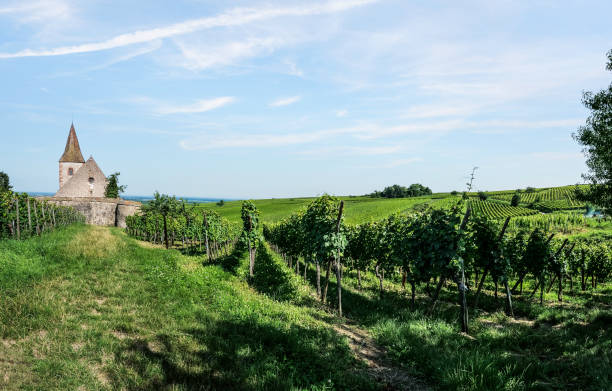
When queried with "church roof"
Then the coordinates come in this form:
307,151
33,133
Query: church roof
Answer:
72,153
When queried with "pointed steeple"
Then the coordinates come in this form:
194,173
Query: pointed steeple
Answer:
72,153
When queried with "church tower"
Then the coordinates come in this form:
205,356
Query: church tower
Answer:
72,159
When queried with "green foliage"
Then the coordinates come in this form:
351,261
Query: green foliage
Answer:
484,249
250,223
319,225
516,200
482,196
397,191
5,184
22,216
220,203
596,138
113,190
188,224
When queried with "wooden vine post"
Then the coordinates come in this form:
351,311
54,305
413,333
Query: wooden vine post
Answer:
251,255
338,262
17,211
29,219
462,288
206,235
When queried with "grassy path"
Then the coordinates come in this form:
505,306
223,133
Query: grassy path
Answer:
87,308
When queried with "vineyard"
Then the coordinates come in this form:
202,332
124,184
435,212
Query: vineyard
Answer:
462,292
22,216
496,210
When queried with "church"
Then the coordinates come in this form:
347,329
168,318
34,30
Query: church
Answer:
77,177
82,186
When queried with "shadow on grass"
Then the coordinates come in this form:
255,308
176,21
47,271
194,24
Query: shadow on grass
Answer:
242,355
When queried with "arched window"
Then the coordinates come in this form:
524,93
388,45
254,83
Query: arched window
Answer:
91,180
70,171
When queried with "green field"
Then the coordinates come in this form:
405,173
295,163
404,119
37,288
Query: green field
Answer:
545,207
358,209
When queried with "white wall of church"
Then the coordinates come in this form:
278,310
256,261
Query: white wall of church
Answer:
64,168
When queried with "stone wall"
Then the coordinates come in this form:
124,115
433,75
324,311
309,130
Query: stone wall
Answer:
99,211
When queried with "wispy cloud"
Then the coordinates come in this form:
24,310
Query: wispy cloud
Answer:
198,107
285,101
234,17
293,69
199,57
341,113
37,11
364,131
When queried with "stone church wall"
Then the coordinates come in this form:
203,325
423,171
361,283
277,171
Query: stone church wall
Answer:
99,211
64,176
88,181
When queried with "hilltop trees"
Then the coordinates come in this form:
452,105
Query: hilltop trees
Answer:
397,191
596,138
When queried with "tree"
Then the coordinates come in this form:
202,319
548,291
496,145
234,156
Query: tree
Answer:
516,199
5,184
112,188
483,196
220,203
596,138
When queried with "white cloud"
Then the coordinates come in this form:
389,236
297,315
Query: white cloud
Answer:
285,101
366,131
341,113
234,17
198,107
199,57
37,11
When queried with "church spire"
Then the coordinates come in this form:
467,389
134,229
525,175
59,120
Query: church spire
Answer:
72,153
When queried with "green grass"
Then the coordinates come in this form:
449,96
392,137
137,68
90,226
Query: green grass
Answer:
89,308
555,346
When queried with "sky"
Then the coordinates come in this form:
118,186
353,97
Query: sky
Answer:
283,98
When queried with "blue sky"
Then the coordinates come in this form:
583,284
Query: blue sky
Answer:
249,99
